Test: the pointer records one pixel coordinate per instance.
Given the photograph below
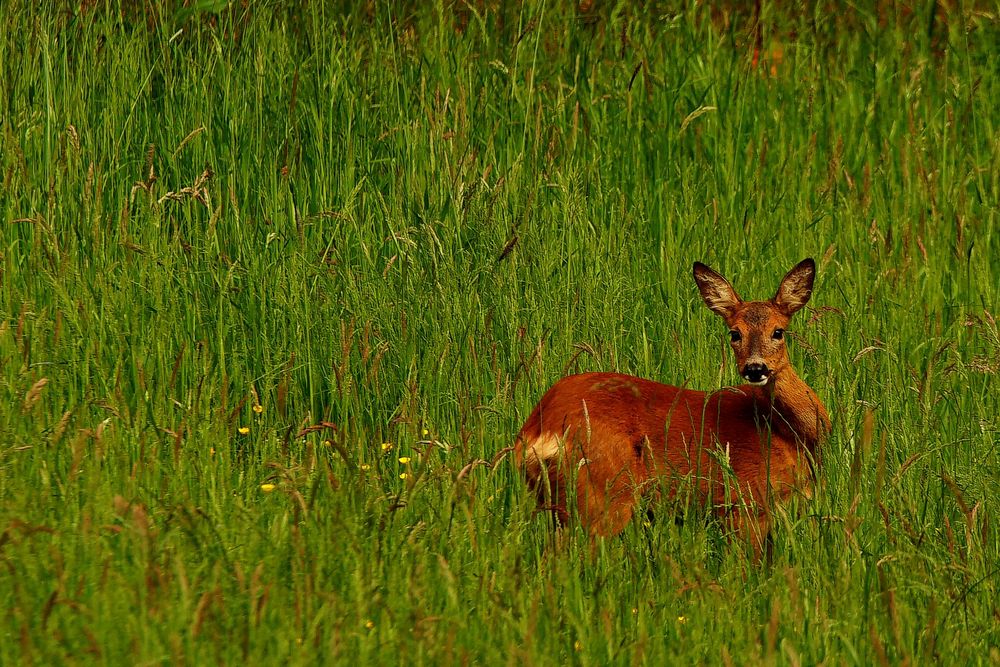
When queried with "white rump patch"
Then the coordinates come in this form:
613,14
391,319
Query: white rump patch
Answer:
543,448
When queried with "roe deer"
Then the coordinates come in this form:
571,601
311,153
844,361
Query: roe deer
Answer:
622,437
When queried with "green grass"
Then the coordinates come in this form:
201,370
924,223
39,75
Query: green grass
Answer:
408,221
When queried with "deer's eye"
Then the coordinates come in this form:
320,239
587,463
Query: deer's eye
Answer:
778,334
735,336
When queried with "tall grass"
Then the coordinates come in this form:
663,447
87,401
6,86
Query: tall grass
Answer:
280,284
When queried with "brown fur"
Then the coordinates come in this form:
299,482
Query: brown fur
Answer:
621,437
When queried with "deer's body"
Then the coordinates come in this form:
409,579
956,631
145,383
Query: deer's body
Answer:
618,437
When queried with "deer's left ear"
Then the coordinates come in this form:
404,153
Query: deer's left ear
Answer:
716,292
796,287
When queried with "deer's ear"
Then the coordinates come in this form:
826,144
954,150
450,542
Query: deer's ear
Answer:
796,287
716,292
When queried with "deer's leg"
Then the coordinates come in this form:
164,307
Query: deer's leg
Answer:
744,516
751,526
606,493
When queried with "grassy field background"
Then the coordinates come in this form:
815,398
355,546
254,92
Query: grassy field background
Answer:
280,282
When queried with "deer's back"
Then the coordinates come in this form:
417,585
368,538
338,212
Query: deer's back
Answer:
619,426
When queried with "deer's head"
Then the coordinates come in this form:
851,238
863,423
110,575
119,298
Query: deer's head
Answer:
757,328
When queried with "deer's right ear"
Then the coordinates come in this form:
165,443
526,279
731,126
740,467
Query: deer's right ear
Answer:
796,287
718,294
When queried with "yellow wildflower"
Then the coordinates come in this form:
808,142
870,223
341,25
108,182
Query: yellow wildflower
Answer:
327,443
404,459
369,624
365,466
426,433
243,430
682,619
404,475
258,408
386,446
267,488
577,646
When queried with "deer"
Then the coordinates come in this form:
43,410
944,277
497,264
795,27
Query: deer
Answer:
608,440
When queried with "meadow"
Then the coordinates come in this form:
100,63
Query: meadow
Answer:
279,283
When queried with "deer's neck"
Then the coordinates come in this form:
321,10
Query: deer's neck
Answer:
798,409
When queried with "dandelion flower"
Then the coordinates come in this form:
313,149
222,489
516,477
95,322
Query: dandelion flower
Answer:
243,430
386,446
327,443
365,466
404,459
682,619
267,488
258,408
404,475
425,433
369,624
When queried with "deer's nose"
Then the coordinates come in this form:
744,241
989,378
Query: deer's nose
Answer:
756,373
